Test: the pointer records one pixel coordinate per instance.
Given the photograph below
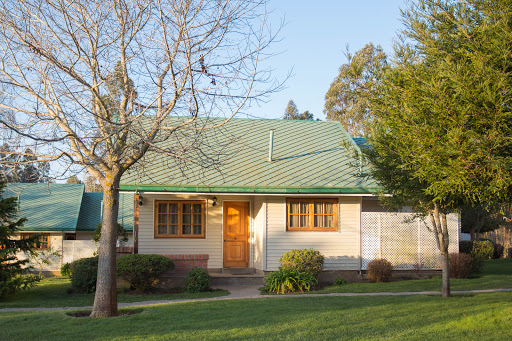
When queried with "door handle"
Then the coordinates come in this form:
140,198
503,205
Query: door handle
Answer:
235,238
225,240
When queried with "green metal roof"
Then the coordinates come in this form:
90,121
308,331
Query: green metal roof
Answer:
360,141
47,207
308,157
90,212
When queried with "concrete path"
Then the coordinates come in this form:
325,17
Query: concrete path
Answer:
245,292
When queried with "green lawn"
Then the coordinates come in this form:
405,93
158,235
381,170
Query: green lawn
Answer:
53,292
476,317
496,274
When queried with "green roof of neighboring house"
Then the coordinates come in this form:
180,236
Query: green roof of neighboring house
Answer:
360,141
308,157
91,211
47,206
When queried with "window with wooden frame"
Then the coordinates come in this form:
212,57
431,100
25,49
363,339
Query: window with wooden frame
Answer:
180,219
312,214
44,239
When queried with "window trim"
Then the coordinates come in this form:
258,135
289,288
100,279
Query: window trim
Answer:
180,217
28,234
311,227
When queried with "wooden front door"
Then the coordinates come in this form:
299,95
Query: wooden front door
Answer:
236,234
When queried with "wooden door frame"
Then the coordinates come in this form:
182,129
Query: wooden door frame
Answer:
249,229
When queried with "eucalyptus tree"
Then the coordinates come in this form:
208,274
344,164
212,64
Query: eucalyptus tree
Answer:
347,99
94,83
443,137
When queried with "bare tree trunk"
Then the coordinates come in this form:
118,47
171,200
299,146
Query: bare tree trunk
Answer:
440,227
446,274
105,299
472,233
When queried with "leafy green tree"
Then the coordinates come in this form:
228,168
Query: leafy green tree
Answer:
292,113
347,98
443,135
479,219
12,277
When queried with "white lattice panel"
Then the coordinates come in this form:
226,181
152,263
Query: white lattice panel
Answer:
371,238
407,242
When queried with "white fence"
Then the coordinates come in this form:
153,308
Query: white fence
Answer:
405,240
76,249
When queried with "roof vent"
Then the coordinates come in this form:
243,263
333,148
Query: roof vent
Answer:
271,145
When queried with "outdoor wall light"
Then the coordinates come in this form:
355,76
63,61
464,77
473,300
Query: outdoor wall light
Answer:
141,200
214,201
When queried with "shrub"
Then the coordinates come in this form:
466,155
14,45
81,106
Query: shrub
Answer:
303,260
482,250
379,270
288,280
64,270
340,281
461,265
465,246
141,270
83,275
197,280
499,249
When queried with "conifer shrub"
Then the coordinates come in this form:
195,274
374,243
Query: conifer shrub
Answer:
197,280
289,280
303,260
84,272
141,270
461,265
379,270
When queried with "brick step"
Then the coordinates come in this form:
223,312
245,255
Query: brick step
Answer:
238,271
222,279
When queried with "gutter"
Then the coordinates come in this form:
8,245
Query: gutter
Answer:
247,190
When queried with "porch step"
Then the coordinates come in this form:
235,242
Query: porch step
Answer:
223,279
239,271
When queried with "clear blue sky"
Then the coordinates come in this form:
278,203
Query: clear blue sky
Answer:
313,45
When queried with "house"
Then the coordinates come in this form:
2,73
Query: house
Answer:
65,216
243,194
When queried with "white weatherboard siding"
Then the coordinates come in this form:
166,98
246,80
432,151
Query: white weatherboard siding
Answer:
267,230
211,245
340,248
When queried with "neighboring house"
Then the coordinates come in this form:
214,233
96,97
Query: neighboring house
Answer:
65,216
251,190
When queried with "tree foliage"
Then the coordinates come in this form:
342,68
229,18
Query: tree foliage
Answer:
292,113
12,269
347,99
73,180
443,136
23,166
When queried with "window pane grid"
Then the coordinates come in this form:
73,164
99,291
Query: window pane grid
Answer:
179,219
312,214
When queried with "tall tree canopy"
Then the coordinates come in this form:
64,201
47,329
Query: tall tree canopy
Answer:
443,137
292,113
93,83
347,99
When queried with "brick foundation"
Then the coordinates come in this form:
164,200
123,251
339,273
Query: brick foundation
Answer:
184,263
